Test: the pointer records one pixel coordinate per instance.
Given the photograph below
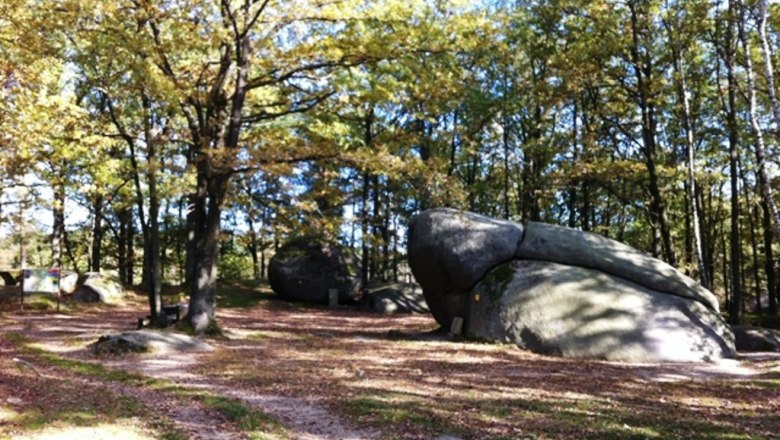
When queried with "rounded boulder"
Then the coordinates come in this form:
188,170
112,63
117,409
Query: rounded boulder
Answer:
305,270
96,287
450,251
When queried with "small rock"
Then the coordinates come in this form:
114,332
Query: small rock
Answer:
145,340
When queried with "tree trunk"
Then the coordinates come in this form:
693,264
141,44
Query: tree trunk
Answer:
643,68
766,188
97,233
153,247
121,256
754,253
572,193
769,262
58,226
763,6
252,247
690,159
152,263
208,210
130,248
365,249
736,255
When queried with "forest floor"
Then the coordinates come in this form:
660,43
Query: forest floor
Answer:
292,371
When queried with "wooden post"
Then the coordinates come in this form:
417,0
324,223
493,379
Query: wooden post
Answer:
456,329
333,297
22,253
59,287
21,292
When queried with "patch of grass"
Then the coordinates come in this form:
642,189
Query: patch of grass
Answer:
244,294
390,410
498,278
78,367
256,424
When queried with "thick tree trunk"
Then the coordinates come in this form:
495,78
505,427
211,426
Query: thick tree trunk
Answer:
153,247
152,264
208,210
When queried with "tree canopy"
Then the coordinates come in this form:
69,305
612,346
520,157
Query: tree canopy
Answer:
199,135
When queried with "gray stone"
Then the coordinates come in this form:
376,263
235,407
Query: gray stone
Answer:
450,251
558,244
99,287
68,281
142,341
304,270
756,339
584,313
395,298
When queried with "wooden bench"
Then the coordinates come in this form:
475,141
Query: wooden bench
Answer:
170,314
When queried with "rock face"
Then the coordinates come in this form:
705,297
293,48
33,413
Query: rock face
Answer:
98,287
585,313
560,291
576,248
304,270
449,251
397,298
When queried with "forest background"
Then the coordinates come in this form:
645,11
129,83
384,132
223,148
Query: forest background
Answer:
195,137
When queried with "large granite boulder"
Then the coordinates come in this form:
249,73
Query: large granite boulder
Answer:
393,298
305,269
97,287
450,251
578,312
557,290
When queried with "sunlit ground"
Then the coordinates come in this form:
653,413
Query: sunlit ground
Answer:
101,432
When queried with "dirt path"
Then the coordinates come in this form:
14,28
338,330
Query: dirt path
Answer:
303,418
190,418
